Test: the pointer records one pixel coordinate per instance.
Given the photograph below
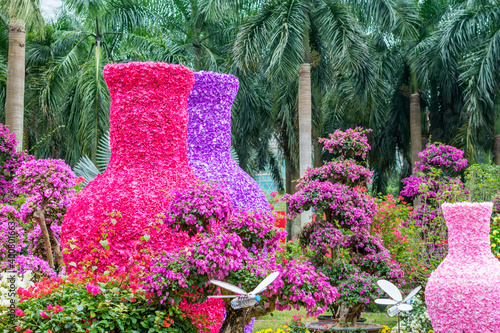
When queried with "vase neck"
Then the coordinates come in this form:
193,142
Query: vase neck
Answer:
468,228
209,107
148,114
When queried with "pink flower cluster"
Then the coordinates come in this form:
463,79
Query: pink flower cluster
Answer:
10,160
347,205
299,284
348,143
93,289
462,294
197,207
338,171
46,181
438,155
256,230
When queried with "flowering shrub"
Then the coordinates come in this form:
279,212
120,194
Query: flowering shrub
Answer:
21,281
256,230
102,304
10,160
240,249
495,236
440,156
49,187
432,183
349,143
347,206
342,247
197,207
18,250
401,240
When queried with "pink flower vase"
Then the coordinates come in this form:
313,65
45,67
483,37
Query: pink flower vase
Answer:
209,139
209,142
148,120
463,293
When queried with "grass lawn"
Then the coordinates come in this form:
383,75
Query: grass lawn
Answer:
278,318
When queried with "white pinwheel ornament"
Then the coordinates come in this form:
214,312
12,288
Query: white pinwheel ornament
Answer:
397,300
242,299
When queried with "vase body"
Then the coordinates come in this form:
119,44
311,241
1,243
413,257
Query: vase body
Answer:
148,123
209,142
463,293
209,139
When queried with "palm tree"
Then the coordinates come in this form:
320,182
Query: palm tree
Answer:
470,39
19,13
311,49
66,77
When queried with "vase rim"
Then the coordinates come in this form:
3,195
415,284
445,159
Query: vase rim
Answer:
215,74
142,64
467,203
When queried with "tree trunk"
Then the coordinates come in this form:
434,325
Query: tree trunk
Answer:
295,222
40,217
57,248
496,150
197,58
14,99
305,121
234,322
288,189
496,145
415,127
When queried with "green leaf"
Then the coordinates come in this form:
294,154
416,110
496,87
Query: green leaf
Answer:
79,308
147,237
72,264
113,221
104,243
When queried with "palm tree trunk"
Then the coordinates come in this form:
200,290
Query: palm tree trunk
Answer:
14,101
496,144
305,121
415,127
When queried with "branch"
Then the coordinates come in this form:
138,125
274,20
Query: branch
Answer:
260,311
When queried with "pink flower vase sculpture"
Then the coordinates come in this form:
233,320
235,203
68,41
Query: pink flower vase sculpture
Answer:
209,142
148,120
463,293
209,139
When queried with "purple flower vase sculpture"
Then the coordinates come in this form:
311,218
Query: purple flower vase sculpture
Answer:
209,142
463,293
209,139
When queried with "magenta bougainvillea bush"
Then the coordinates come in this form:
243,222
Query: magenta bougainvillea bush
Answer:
240,247
338,240
209,139
46,188
148,119
462,294
10,160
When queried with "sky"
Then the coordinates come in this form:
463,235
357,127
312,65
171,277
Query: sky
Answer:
48,7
